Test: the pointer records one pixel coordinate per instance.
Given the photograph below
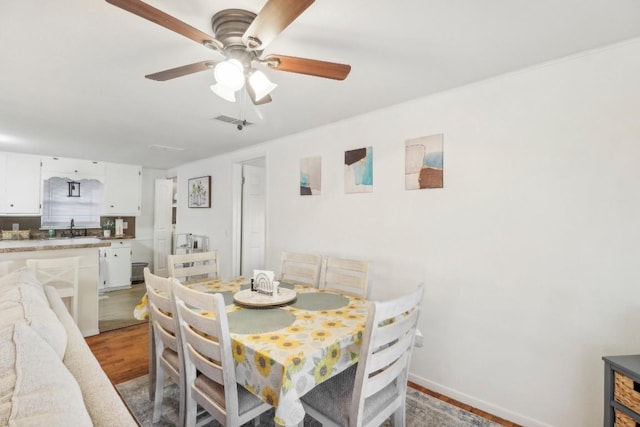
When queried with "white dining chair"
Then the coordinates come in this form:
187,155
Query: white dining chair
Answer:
345,276
210,376
62,274
300,268
374,389
195,265
168,350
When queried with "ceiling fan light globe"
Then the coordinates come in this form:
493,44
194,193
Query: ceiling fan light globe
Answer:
261,84
230,73
224,92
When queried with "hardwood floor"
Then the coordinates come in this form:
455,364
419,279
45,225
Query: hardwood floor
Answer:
124,355
116,308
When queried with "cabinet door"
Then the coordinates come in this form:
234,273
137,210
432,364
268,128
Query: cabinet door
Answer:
120,267
122,190
72,168
115,267
22,184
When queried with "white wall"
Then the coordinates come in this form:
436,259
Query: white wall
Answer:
529,253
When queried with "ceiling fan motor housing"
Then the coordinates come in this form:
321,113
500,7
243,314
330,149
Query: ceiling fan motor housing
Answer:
229,26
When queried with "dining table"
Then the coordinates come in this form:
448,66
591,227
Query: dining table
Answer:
283,351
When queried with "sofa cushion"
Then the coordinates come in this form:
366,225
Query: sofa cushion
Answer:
22,299
25,277
44,392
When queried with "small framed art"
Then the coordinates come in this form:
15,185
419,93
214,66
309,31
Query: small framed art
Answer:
200,192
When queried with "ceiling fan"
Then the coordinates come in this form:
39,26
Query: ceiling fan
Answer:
240,36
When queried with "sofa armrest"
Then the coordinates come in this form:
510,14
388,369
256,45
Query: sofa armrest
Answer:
103,402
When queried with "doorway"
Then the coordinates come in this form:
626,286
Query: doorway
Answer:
116,307
250,217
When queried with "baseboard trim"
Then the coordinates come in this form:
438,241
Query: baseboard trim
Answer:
90,332
478,403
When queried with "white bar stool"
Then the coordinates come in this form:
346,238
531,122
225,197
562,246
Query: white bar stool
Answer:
62,274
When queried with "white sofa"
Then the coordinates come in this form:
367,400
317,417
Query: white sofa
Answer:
48,374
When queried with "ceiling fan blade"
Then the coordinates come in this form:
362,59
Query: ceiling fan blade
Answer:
252,94
312,67
275,16
163,76
157,16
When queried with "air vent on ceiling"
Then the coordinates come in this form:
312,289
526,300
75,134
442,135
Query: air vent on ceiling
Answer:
165,148
233,121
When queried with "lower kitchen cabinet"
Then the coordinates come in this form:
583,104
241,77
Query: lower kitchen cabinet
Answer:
115,266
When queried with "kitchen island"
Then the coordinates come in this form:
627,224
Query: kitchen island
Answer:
86,248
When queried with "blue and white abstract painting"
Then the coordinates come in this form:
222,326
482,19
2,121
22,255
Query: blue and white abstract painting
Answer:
358,170
310,176
424,166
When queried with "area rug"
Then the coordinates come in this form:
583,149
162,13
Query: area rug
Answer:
422,409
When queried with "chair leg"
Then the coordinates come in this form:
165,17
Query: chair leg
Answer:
398,417
157,401
191,410
182,403
74,308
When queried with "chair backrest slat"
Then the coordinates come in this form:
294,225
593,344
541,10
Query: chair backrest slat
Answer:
396,328
161,308
197,265
346,276
377,382
206,366
300,268
384,357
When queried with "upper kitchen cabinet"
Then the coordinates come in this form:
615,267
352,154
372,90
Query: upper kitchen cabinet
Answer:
122,190
72,168
19,184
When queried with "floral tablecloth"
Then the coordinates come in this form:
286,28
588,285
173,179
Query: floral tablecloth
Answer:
283,352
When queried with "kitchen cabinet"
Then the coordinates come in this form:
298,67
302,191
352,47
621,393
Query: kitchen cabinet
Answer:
19,184
122,190
115,266
72,168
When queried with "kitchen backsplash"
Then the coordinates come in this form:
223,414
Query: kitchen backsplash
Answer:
33,223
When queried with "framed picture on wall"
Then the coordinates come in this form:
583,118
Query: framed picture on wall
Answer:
200,192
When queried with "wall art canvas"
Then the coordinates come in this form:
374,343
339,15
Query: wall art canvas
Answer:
424,162
200,192
310,176
358,170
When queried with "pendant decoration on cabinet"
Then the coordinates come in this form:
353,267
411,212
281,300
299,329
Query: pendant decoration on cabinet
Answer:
74,189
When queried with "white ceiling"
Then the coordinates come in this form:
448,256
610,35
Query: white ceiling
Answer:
72,71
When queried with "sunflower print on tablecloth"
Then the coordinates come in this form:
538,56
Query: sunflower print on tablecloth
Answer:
239,352
270,396
323,369
288,344
263,363
320,335
333,323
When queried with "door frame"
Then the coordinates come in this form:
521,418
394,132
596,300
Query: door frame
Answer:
236,208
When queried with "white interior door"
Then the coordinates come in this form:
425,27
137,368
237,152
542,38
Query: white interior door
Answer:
253,219
162,226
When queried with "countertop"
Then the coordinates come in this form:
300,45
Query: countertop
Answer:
7,246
